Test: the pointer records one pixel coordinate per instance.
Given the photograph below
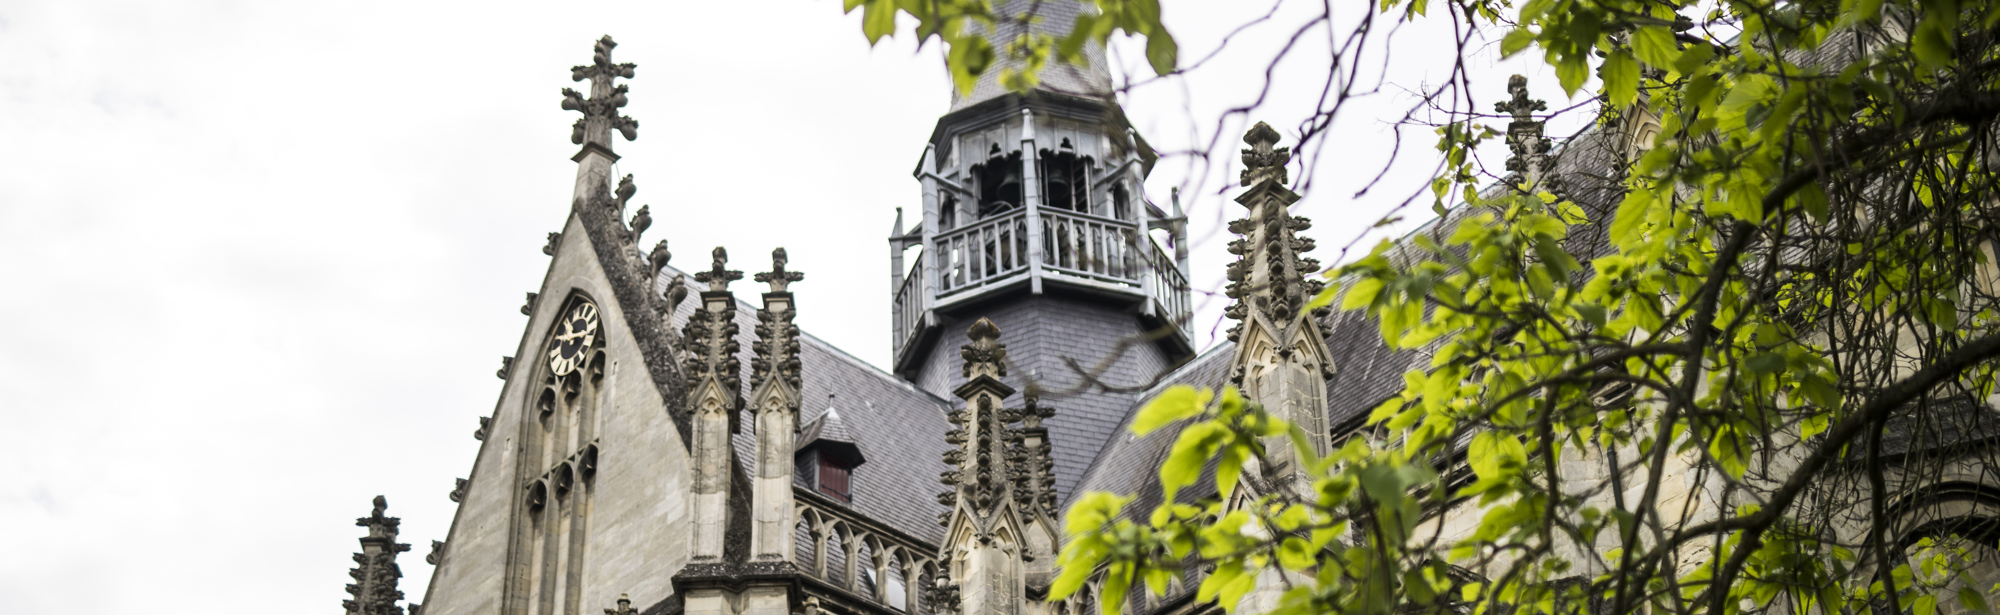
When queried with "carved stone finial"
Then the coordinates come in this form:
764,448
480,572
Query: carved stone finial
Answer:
550,247
777,346
1529,161
1262,161
374,590
600,111
985,356
677,290
778,277
1280,359
659,257
641,221
625,191
718,275
624,607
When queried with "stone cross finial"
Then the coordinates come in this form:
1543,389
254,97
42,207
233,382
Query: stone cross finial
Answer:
778,277
624,607
374,590
1529,160
718,276
600,111
985,356
1262,161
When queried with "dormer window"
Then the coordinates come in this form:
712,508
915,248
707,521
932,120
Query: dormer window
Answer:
827,456
831,479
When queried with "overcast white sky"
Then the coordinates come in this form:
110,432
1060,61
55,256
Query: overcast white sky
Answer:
261,258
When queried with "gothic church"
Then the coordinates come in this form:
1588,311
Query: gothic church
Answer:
630,467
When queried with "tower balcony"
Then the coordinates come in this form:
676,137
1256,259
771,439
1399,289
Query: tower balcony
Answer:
1037,250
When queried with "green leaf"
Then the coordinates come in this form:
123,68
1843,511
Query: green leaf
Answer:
1176,403
1932,45
1516,40
1621,78
1655,46
1972,600
1572,71
878,19
1161,52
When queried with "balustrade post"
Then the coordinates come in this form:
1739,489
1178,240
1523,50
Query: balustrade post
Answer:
1031,194
928,294
1142,242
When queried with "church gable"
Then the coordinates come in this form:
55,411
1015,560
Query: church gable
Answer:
584,449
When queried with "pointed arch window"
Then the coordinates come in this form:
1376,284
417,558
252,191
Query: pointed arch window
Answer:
1065,178
999,179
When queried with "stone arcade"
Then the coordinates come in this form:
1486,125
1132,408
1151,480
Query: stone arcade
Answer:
629,468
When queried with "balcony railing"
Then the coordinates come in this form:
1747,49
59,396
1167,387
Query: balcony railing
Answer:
982,253
1170,290
1090,247
1035,246
909,306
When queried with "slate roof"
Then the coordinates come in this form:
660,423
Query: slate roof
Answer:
899,428
1054,19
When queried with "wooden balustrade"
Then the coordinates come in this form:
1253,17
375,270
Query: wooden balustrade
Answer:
981,253
909,306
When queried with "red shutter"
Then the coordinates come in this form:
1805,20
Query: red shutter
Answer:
833,480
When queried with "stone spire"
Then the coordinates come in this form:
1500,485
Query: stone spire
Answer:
713,376
1281,359
375,573
1530,162
999,526
600,111
774,402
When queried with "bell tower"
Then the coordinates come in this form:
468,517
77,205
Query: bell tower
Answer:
1034,216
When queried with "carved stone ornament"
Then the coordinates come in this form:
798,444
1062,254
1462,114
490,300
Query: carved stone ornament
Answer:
506,365
485,423
624,193
375,574
776,350
624,607
600,111
677,291
458,490
550,247
1528,149
528,307
718,275
659,257
778,277
436,555
641,221
1262,161
985,356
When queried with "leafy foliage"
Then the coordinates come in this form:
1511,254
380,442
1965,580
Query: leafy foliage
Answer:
1674,401
963,27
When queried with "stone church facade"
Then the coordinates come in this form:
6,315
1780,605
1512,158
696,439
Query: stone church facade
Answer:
632,466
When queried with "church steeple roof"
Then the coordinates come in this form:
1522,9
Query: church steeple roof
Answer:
1092,79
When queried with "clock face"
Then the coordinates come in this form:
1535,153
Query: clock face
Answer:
574,336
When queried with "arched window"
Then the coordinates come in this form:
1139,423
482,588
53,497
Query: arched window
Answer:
1065,178
1121,202
836,556
999,180
894,589
864,569
947,211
